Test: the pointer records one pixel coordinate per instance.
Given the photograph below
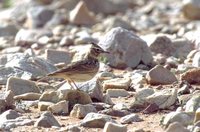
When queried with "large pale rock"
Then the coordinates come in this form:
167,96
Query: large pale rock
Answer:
130,118
193,103
46,120
185,118
192,76
50,96
55,56
196,59
160,75
164,99
176,127
191,9
81,15
38,16
19,86
95,120
126,48
60,107
28,96
80,111
26,37
113,127
117,83
117,93
43,105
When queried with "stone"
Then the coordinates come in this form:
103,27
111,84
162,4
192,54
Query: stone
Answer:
130,119
80,15
7,99
126,48
80,111
55,56
100,106
26,66
184,118
27,37
196,59
95,120
19,86
9,114
191,9
59,108
43,105
120,106
46,120
74,97
117,93
191,76
38,16
7,29
160,75
71,128
93,88
113,127
117,83
66,41
28,96
143,93
50,96
164,99
115,112
176,127
107,99
193,103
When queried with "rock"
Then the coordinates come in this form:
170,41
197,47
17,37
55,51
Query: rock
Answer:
151,108
7,29
120,106
115,112
101,106
55,56
50,96
66,41
95,120
197,116
164,99
191,9
28,67
80,111
71,128
75,97
38,16
117,83
80,15
28,96
107,99
59,108
160,75
27,37
176,127
193,103
113,127
19,86
191,76
143,93
126,49
46,120
183,118
43,105
196,59
117,93
7,99
93,88
162,44
9,114
130,118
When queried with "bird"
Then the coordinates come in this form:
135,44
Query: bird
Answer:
82,70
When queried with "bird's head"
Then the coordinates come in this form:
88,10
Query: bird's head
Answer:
96,50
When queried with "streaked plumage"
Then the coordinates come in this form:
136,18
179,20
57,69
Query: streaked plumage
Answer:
82,70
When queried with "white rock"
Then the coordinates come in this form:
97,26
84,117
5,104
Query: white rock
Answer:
130,118
113,127
126,48
117,93
59,108
80,111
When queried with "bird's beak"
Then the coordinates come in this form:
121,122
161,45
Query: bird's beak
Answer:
106,52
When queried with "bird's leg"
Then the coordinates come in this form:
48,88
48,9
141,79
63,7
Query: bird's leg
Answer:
70,83
74,84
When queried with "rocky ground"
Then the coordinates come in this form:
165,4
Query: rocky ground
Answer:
148,82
